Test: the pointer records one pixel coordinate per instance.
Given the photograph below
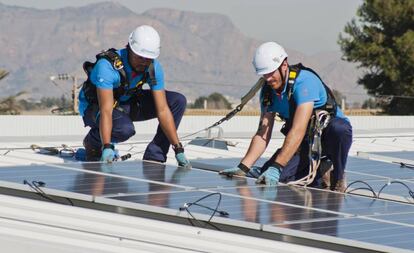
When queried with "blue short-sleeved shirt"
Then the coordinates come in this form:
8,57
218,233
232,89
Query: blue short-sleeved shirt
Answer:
308,88
104,76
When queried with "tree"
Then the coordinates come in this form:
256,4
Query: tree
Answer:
218,101
214,101
370,104
9,105
199,103
382,41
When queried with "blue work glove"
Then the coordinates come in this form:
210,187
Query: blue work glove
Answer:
183,161
271,176
108,153
254,172
239,170
180,156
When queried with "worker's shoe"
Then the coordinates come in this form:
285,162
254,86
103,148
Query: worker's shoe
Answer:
340,185
326,168
326,180
92,154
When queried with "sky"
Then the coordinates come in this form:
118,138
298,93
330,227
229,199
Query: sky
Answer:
309,26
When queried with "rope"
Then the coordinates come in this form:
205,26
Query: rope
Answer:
320,121
246,98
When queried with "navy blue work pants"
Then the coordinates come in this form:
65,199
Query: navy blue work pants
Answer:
336,142
123,127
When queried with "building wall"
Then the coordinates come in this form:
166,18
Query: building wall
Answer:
28,125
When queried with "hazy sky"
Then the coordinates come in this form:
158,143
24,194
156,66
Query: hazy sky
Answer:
309,26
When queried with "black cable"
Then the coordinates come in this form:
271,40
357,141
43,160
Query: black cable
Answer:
35,186
397,182
406,165
361,188
222,213
410,192
38,184
215,210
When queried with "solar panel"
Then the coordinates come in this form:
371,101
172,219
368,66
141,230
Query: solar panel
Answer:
323,200
361,229
372,172
405,159
251,210
378,169
160,191
79,178
221,163
408,155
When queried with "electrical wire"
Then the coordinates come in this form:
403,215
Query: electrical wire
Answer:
396,182
35,186
215,210
377,195
361,188
405,165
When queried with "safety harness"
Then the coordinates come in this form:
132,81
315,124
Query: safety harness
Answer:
123,90
319,120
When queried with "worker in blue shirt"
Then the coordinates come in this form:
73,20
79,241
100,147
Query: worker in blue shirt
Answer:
113,97
298,96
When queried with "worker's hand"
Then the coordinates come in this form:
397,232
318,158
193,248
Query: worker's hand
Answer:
239,170
180,156
232,171
254,172
271,176
108,155
182,160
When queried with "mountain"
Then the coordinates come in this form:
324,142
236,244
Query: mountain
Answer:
201,53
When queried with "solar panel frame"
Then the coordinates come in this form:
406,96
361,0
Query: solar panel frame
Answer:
289,209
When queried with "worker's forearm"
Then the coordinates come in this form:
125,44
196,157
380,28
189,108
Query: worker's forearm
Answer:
260,140
105,126
166,121
290,146
256,149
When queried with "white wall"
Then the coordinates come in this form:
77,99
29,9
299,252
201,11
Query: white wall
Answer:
25,125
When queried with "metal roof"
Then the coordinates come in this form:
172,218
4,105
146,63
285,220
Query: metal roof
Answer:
295,215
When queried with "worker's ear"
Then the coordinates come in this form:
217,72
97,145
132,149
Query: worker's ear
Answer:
285,63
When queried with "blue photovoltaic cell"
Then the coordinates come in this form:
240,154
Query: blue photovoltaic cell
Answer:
405,155
305,209
323,200
361,229
79,181
358,168
368,169
164,173
242,209
404,218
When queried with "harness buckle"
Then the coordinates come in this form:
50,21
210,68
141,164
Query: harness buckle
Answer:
118,64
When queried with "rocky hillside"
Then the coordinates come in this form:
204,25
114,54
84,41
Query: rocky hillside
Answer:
201,53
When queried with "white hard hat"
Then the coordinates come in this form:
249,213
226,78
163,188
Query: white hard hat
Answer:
268,57
145,41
